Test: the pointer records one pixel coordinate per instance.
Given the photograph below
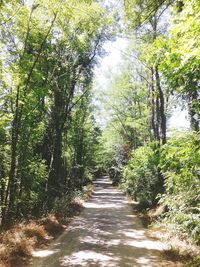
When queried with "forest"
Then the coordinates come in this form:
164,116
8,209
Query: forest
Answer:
51,142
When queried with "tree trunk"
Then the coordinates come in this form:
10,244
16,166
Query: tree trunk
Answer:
162,115
55,185
12,182
2,186
194,110
154,109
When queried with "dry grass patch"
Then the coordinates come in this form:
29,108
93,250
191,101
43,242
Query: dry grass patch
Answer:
156,212
181,250
33,230
18,243
3,256
76,205
185,258
174,254
2,264
52,225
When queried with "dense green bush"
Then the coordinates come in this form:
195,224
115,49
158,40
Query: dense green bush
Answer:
141,175
180,164
34,176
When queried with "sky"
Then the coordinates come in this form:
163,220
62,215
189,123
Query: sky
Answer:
108,65
179,120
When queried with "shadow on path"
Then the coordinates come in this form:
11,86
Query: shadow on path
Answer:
107,233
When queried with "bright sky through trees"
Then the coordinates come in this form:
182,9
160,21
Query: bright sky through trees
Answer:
55,98
108,65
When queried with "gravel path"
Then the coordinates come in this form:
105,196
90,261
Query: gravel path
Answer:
107,233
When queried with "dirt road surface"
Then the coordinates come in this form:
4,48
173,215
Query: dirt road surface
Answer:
107,234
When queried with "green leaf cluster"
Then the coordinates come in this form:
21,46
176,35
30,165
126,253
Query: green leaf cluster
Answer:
180,164
140,175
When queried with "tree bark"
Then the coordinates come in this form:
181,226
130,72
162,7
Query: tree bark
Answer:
11,189
154,109
194,110
163,126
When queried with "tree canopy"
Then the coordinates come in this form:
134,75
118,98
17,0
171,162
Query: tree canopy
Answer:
51,145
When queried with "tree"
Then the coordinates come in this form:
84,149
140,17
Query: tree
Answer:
146,18
50,50
180,63
126,106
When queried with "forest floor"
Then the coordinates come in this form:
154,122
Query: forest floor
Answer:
107,233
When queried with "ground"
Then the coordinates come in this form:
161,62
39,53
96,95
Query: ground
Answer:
107,233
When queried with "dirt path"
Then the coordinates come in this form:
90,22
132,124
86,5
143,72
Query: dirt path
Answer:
107,233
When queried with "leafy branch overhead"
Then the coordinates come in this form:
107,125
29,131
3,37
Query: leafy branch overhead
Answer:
59,129
48,50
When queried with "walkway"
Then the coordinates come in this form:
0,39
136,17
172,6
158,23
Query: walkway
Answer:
106,234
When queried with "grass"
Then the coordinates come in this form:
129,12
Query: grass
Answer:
52,225
37,232
88,191
17,243
181,249
187,258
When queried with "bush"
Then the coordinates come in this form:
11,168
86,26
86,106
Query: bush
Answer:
62,206
33,230
180,164
18,245
141,175
115,174
34,176
52,225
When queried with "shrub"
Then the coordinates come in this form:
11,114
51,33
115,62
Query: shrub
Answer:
141,176
70,204
3,255
33,230
62,206
18,245
180,164
52,226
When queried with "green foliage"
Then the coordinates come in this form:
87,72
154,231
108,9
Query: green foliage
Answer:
173,57
62,205
125,104
182,55
50,143
33,176
140,175
180,164
48,135
140,12
180,59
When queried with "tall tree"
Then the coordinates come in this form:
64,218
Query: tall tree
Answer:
50,50
146,18
180,61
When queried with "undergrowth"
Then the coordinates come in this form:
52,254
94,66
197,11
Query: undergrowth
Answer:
18,243
181,247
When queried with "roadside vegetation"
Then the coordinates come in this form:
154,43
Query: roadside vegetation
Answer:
48,134
158,166
51,146
18,243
